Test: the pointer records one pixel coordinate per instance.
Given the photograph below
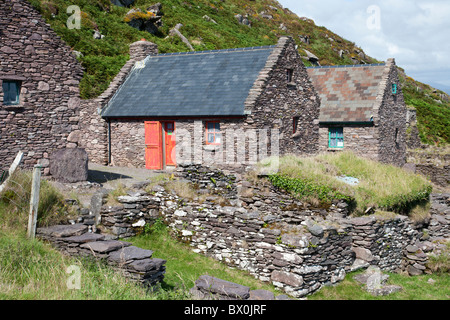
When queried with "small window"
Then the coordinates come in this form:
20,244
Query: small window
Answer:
336,138
394,88
213,135
397,138
11,92
295,124
289,75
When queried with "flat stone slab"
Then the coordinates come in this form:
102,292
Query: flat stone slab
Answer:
63,231
105,246
225,288
86,237
261,295
127,254
146,265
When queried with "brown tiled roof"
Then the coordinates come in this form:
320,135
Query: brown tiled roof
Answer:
347,93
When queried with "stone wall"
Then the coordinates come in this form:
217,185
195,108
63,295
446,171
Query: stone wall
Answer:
296,246
385,140
134,263
431,163
362,140
392,120
274,103
48,111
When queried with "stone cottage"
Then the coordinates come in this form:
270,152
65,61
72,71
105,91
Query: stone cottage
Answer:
229,107
363,110
39,87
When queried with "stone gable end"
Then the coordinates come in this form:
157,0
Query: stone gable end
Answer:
47,75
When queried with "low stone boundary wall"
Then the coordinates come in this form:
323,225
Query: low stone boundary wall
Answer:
278,239
135,263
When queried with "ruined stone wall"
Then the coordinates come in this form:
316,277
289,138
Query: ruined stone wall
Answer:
432,163
48,111
392,120
296,246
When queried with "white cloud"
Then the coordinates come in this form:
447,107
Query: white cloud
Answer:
415,33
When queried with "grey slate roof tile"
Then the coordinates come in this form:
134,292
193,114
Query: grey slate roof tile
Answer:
209,83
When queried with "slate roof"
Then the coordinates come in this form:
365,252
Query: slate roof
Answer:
347,93
206,83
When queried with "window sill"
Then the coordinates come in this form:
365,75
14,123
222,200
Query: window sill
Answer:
292,85
335,149
13,107
212,147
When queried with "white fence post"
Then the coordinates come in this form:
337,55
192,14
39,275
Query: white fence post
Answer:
34,201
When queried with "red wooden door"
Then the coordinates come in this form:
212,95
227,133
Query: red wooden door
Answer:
169,138
153,145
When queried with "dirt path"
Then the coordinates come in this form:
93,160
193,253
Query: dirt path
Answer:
103,177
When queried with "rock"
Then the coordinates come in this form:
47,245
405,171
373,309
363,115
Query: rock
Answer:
69,165
156,9
312,58
413,271
127,254
86,237
61,231
144,21
386,290
224,289
314,228
363,254
288,278
146,265
261,295
97,35
243,20
123,3
105,246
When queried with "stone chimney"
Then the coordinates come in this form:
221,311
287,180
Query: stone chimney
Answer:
139,50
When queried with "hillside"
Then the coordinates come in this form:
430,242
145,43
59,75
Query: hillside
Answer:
102,42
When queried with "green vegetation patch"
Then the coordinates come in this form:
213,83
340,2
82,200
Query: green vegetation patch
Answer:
379,186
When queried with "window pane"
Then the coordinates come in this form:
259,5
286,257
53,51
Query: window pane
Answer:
10,92
210,137
210,126
217,126
218,138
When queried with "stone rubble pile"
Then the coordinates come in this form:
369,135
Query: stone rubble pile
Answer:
135,263
375,282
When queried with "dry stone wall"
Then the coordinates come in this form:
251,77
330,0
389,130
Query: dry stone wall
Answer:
134,263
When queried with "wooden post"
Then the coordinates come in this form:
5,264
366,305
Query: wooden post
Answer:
34,201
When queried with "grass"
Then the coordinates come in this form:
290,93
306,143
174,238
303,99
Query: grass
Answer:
414,288
184,266
380,186
15,202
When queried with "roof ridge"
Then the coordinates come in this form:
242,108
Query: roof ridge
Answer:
349,66
215,51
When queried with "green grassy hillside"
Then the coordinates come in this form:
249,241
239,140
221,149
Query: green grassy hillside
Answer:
209,25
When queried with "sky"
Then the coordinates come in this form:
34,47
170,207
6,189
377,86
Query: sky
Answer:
414,32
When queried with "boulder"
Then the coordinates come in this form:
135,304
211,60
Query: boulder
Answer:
210,287
69,165
123,3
